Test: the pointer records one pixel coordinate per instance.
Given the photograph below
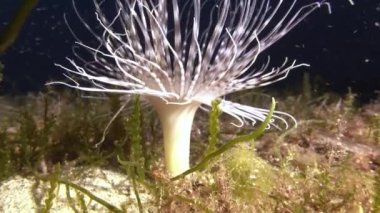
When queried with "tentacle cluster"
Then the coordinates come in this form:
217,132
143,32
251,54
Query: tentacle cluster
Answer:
196,51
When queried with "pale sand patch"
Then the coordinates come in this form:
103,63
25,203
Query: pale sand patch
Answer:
26,194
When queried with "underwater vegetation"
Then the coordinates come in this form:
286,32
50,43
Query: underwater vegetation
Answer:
162,51
329,163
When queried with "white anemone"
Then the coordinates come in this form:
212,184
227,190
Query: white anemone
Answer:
182,56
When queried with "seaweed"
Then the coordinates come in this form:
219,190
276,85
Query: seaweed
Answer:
214,128
376,195
304,169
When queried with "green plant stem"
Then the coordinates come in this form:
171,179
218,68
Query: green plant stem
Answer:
104,203
213,126
251,136
92,196
134,185
70,199
9,35
376,196
1,70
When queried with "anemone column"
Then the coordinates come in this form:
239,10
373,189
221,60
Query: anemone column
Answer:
176,121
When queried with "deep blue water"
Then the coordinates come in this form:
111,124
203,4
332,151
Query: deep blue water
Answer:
343,47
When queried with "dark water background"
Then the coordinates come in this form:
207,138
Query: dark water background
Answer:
343,48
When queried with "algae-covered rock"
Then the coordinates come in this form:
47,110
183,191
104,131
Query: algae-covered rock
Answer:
27,194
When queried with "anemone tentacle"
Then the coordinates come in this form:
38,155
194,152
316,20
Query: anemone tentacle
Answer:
138,53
